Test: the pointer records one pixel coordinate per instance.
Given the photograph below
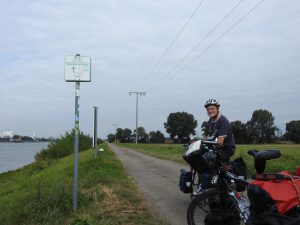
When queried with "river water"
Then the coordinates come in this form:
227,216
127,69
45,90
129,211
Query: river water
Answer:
16,155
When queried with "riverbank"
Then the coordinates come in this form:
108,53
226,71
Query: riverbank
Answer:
41,193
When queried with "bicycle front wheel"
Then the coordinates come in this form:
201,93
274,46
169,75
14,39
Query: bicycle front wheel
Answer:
195,183
211,208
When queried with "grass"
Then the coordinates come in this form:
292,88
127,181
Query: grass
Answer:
164,151
41,193
290,154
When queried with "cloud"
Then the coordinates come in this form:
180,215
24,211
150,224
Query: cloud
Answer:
253,66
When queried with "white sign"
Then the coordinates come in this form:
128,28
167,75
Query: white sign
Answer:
78,68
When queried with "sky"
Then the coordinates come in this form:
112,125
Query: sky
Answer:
244,53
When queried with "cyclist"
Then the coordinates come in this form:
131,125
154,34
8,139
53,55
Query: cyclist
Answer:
219,127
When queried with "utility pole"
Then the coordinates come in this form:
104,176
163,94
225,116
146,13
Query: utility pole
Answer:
138,93
115,125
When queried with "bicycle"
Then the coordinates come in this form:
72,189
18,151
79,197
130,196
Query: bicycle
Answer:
222,203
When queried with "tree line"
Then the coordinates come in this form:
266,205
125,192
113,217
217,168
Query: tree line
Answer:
180,126
259,129
127,136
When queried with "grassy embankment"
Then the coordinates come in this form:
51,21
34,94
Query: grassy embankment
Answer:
290,154
41,193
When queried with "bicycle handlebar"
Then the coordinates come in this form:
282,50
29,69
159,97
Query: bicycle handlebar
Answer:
210,142
236,178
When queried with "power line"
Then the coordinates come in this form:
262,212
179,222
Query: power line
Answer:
171,44
201,41
219,38
222,35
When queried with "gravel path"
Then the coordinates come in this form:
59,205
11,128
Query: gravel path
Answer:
158,181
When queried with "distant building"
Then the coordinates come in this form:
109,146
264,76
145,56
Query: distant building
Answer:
7,134
10,136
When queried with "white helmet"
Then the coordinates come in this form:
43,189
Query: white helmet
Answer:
212,102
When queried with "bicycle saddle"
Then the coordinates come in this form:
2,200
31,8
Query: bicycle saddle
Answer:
260,158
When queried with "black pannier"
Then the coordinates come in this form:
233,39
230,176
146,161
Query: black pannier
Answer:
260,199
239,168
264,209
271,218
185,181
197,161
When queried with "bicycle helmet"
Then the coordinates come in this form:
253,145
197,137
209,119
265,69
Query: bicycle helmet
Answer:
212,102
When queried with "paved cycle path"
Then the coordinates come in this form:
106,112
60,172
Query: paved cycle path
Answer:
158,181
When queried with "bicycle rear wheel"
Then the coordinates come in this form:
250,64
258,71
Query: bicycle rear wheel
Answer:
211,208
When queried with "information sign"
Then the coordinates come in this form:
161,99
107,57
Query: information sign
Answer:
78,68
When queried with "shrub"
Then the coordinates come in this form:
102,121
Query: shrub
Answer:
64,146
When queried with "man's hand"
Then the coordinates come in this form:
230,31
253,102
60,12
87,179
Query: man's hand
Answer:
209,138
220,140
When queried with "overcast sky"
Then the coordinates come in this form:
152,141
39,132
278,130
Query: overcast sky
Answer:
247,63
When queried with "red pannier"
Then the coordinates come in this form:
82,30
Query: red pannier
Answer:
284,193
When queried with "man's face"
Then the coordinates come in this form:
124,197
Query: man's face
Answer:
212,111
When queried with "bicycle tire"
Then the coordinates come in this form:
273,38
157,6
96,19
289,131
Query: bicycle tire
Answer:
205,203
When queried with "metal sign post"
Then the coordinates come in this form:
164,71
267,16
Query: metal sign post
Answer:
95,131
77,69
76,143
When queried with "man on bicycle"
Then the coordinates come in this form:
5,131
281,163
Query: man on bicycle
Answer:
220,128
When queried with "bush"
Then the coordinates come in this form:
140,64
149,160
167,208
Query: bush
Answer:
64,146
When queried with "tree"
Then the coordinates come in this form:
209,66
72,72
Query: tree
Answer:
110,137
293,131
142,135
239,131
182,125
205,128
124,135
156,137
261,127
119,134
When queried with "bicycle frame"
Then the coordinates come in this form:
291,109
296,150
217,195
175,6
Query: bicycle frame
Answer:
244,214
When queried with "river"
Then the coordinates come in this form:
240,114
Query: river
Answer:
16,155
